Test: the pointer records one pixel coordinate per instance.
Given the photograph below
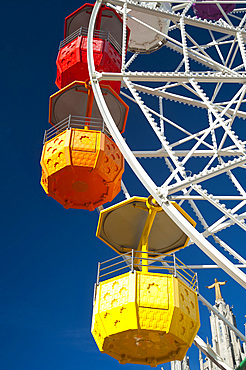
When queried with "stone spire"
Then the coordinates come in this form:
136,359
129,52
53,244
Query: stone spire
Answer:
201,360
244,343
180,365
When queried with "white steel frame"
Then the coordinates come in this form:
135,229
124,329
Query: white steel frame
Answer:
221,116
161,193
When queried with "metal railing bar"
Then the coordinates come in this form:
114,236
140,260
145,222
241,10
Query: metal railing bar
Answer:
180,271
132,259
83,31
151,258
185,266
187,275
155,253
109,273
114,258
191,277
186,271
160,268
56,129
98,272
75,122
115,264
88,118
184,277
85,122
184,280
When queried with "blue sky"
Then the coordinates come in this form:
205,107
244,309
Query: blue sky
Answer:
49,255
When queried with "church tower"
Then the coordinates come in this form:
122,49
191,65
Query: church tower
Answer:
224,341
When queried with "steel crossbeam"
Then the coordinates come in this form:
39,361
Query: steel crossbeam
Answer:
206,77
205,175
161,153
211,354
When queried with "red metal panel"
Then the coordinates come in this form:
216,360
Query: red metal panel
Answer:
72,62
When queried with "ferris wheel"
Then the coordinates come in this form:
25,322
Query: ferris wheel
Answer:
184,80
205,70
201,154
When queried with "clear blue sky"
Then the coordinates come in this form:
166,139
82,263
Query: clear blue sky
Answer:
49,255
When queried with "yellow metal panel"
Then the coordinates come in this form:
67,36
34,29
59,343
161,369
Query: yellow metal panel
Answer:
171,291
45,172
117,304
111,163
187,300
153,291
132,286
85,147
97,328
114,293
154,319
54,156
120,319
44,182
84,140
183,327
185,322
83,159
98,331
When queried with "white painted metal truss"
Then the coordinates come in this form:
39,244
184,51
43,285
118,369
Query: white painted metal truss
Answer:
209,352
206,71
